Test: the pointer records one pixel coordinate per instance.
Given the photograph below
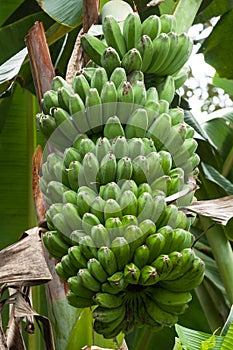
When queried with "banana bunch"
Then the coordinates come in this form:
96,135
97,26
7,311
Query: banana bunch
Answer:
152,46
120,152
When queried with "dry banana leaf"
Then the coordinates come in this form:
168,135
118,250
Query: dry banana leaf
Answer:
219,210
23,262
21,310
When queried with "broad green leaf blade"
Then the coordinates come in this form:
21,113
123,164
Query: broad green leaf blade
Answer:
208,343
213,175
228,322
185,12
65,12
12,35
178,345
228,339
193,339
223,83
7,8
81,334
11,67
167,7
215,8
17,140
217,48
192,121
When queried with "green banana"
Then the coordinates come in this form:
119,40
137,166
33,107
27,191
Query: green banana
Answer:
60,272
100,236
177,115
94,110
168,216
151,26
111,329
71,214
159,131
182,239
76,235
59,82
163,265
64,96
114,227
49,100
155,167
103,147
173,48
120,147
93,47
139,93
166,161
132,29
106,315
121,249
131,273
64,122
81,86
107,259
79,302
113,128
96,270
98,79
149,146
110,60
163,106
108,301
108,97
168,23
84,201
97,208
113,35
46,124
167,92
67,266
141,256
129,219
137,124
70,155
107,169
55,244
167,297
124,169
145,47
91,170
140,169
129,185
134,236
128,203
76,257
160,316
73,174
88,221
55,191
88,281
78,289
117,281
118,76
125,97
131,61
136,147
144,187
112,209
155,243
145,205
182,262
161,45
148,276
111,191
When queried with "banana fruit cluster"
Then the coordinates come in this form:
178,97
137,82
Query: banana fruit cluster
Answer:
152,46
120,152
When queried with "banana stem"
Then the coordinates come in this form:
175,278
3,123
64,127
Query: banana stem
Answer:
144,340
223,254
185,12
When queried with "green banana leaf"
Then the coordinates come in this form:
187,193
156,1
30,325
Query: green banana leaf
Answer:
217,48
213,175
223,83
214,8
7,8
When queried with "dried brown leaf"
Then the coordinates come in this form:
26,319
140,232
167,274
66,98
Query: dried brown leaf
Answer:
219,210
23,262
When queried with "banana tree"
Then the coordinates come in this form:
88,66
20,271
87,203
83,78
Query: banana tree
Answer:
61,31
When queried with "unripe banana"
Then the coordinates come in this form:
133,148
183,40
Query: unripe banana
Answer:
151,26
132,30
125,96
78,289
84,145
113,35
109,100
120,147
94,110
167,91
159,131
84,201
103,147
145,206
137,124
131,273
139,93
118,76
88,281
168,23
131,61
148,276
112,209
107,259
113,128
49,100
97,208
96,270
88,221
114,227
136,147
131,186
110,60
91,170
93,47
160,53
155,243
107,169
128,203
111,191
140,169
80,86
79,302
141,256
145,47
100,236
98,79
108,301
121,249
76,257
124,169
